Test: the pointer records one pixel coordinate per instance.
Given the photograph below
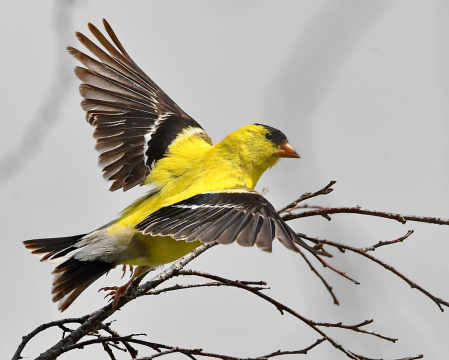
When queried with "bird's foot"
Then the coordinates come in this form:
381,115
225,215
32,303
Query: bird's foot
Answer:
115,293
113,288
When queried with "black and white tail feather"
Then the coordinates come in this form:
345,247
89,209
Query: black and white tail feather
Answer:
71,275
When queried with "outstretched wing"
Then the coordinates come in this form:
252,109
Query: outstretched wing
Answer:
135,121
242,216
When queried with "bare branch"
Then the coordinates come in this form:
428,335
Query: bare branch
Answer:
27,338
326,264
439,302
108,350
357,327
324,191
133,352
172,270
420,356
328,287
323,211
187,352
209,284
383,243
313,324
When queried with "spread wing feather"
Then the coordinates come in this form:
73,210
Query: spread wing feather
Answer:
135,121
245,217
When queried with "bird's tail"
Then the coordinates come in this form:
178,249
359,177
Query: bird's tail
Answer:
71,276
53,248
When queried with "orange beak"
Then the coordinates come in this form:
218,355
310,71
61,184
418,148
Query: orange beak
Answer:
286,151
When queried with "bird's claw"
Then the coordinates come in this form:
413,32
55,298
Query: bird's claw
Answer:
131,269
111,293
115,293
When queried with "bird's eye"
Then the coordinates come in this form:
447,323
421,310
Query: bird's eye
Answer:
269,136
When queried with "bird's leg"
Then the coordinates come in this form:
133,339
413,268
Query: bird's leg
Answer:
116,292
124,270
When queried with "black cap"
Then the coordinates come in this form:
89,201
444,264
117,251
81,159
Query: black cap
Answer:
274,135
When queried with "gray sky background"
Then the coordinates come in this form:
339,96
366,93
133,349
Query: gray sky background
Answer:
361,90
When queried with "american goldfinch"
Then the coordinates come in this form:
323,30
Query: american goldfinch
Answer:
200,192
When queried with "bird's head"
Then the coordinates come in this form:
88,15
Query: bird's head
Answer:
277,142
258,147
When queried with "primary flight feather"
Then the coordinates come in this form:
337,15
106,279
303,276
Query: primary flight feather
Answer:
201,192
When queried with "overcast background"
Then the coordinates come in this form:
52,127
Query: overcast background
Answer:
359,87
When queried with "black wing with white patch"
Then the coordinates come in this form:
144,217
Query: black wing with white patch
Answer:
135,121
245,217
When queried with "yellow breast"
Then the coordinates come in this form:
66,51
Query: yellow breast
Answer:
191,167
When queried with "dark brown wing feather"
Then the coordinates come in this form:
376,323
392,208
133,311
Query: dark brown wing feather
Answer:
135,121
245,217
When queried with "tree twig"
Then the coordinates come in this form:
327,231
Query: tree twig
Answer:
357,327
326,264
209,284
133,352
313,324
328,287
324,191
383,243
420,356
439,302
175,349
323,211
40,328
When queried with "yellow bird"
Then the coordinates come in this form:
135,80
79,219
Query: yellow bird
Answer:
200,192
